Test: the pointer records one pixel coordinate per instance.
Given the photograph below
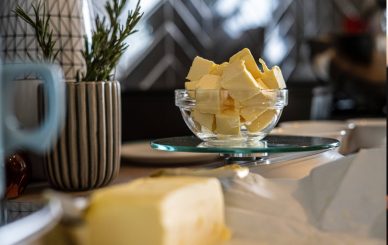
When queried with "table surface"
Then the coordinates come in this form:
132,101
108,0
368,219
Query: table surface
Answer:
127,173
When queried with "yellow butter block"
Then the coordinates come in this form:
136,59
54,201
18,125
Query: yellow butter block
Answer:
209,81
228,123
190,87
204,119
229,103
246,55
254,106
158,211
206,82
251,113
199,68
218,69
208,101
261,84
262,121
272,78
260,99
238,81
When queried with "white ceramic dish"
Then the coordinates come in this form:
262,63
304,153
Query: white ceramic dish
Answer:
309,132
339,130
31,228
369,122
142,153
368,132
316,125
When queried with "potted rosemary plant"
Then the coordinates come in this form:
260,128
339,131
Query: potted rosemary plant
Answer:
87,154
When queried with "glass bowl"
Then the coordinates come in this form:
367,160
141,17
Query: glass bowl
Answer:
224,117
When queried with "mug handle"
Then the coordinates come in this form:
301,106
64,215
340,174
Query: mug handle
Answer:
41,138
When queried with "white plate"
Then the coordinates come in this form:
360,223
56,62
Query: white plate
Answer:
372,122
339,130
316,125
368,132
339,134
141,152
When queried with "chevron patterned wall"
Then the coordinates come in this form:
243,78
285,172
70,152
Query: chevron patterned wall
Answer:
66,22
173,32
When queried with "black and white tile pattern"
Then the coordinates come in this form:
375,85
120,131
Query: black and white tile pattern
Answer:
67,22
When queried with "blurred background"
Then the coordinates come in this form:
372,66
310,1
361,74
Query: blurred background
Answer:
332,54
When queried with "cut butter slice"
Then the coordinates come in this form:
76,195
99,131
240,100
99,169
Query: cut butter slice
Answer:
228,123
260,99
239,82
262,121
253,107
251,113
208,101
158,211
218,69
204,119
272,78
190,87
209,81
246,55
199,68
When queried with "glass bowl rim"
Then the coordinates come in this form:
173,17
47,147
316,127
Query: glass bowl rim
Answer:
183,99
265,90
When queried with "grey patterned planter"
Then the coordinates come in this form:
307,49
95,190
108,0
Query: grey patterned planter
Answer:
87,154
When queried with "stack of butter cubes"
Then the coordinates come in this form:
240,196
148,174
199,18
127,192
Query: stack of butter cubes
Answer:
233,93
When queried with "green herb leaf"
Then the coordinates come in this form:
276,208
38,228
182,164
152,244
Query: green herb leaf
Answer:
40,25
107,44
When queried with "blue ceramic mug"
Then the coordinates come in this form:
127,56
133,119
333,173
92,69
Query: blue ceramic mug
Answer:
39,139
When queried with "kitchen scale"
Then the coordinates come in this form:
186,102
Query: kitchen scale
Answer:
272,149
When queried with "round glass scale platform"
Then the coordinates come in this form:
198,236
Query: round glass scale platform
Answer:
272,149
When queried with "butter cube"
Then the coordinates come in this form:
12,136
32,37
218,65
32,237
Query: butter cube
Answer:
209,98
262,121
246,55
228,123
260,99
208,101
204,119
229,103
251,113
255,106
209,81
219,69
272,78
239,82
261,84
199,68
158,211
191,86
206,82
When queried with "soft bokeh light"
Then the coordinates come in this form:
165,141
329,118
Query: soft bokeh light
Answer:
243,15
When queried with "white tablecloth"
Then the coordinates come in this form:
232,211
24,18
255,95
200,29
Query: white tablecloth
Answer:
340,202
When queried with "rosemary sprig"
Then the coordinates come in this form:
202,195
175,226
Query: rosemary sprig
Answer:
43,35
107,44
